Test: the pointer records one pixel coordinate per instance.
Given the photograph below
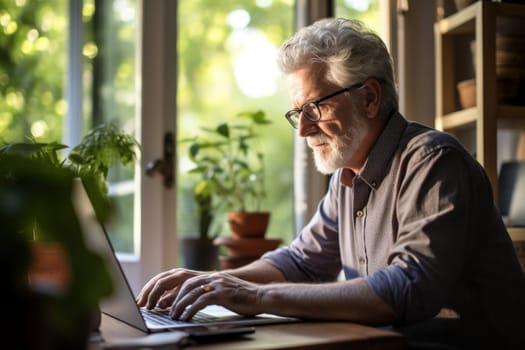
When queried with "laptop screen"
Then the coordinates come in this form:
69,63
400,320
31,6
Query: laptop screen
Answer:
121,304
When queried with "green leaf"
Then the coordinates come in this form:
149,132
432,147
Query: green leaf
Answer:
194,150
76,158
258,117
224,130
202,189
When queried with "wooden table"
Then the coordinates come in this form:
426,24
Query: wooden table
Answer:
301,335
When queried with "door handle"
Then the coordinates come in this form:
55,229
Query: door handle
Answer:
165,165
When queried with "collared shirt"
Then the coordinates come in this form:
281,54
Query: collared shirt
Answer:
419,224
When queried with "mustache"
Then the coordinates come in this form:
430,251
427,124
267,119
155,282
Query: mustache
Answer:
312,141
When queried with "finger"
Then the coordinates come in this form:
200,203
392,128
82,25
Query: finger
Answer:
168,284
146,290
161,284
142,297
188,292
198,295
167,299
206,298
189,285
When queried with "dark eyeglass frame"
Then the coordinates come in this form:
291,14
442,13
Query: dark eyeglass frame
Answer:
294,115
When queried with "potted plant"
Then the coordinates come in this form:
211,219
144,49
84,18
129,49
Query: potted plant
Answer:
66,279
232,174
230,166
56,303
102,148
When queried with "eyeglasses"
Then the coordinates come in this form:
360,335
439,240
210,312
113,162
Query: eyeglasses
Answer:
311,108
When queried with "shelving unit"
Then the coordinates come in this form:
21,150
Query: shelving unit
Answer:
480,22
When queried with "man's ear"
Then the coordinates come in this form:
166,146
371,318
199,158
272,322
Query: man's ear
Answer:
372,97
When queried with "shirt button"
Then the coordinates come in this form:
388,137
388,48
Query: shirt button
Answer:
359,213
362,260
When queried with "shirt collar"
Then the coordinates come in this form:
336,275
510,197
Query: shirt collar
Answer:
380,156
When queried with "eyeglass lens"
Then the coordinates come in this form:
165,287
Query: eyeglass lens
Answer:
310,110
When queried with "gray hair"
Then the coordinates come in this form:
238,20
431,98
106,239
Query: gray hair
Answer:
348,51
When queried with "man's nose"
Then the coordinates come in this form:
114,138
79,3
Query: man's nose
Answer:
306,127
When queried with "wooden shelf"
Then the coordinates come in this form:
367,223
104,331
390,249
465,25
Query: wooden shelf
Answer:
460,22
463,22
458,119
481,22
510,116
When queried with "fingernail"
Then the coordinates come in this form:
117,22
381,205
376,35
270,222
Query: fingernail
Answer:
172,315
184,316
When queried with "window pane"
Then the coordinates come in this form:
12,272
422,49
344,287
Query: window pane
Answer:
109,92
226,53
367,11
32,65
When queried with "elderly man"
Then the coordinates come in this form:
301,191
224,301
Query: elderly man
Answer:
408,217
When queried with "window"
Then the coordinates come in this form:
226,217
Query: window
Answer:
109,73
225,64
226,53
34,38
368,11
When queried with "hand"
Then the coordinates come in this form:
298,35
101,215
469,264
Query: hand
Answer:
217,288
162,289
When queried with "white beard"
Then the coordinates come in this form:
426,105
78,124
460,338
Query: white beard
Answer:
338,150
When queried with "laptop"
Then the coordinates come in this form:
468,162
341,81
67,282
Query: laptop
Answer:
121,304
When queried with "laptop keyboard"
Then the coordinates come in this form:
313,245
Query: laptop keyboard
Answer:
160,316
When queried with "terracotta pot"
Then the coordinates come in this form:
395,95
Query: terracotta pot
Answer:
467,93
49,276
51,266
248,224
509,89
252,247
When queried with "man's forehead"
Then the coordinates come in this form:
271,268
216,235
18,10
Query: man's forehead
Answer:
307,84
